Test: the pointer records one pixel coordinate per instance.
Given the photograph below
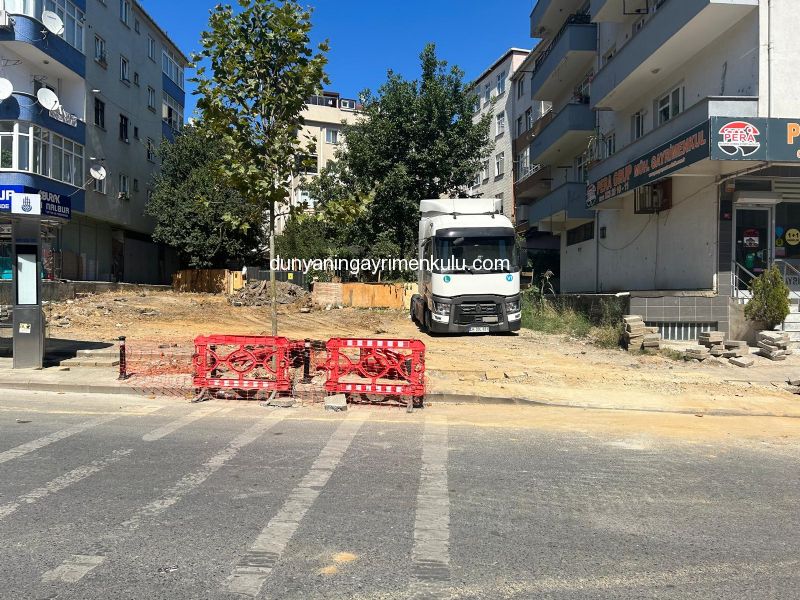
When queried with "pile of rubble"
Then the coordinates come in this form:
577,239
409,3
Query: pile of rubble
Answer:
637,336
774,345
259,293
713,344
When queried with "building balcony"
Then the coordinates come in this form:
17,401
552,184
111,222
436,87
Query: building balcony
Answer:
725,106
548,15
562,209
27,40
564,134
24,107
564,62
678,31
532,184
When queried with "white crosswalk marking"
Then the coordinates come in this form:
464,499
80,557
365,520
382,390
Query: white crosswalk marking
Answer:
59,483
430,555
179,423
255,566
73,570
53,438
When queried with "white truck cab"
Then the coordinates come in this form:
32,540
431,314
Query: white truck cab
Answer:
469,275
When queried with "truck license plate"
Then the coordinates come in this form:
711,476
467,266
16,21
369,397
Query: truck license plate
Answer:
479,330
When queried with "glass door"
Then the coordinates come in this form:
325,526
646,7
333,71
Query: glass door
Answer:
754,242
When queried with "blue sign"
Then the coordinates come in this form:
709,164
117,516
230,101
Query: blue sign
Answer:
54,205
509,277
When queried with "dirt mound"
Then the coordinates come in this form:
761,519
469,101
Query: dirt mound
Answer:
259,293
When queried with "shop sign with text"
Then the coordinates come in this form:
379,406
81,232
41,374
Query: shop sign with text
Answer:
759,139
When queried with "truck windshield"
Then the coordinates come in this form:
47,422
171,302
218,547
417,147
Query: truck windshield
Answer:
475,255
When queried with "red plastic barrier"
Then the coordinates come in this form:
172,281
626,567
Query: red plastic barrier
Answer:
241,362
376,366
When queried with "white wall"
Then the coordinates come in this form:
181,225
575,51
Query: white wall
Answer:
781,27
578,264
675,249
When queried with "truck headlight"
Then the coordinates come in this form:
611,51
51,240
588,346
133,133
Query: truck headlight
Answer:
440,308
512,306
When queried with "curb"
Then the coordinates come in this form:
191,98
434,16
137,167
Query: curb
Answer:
433,398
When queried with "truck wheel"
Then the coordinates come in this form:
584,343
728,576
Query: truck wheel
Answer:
427,321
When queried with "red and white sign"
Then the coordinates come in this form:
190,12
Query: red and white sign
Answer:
739,137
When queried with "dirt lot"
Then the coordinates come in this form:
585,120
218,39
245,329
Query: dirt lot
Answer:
527,365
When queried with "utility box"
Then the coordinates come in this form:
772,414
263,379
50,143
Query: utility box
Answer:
29,321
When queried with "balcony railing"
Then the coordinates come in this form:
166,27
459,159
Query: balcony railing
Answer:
576,19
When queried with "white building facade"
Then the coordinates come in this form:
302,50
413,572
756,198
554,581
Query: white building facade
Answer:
496,98
676,127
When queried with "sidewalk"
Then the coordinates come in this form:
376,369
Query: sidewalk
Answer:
763,399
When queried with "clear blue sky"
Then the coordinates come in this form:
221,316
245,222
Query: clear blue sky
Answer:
367,38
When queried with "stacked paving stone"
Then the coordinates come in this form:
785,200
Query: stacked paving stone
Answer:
634,333
774,345
697,353
714,341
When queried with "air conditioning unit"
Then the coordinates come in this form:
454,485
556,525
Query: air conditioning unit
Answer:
5,20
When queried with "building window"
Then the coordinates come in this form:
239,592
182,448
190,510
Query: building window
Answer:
123,128
125,12
485,171
72,17
135,185
487,94
528,119
500,164
99,113
172,112
520,126
124,184
26,147
151,48
304,200
151,98
523,163
501,83
124,69
136,133
637,125
582,167
136,26
135,78
331,136
521,87
582,233
151,150
670,106
100,186
100,50
171,68
500,123
610,145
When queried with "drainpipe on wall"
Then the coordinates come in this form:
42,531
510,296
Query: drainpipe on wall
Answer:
769,58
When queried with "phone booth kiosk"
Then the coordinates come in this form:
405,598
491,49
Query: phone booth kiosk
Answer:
30,211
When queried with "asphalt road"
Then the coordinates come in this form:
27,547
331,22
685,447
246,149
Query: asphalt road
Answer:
135,498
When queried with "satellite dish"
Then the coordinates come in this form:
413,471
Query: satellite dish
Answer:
52,22
6,89
98,172
48,99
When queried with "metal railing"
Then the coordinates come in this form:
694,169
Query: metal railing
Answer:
740,282
791,276
526,171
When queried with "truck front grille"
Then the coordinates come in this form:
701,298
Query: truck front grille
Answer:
477,312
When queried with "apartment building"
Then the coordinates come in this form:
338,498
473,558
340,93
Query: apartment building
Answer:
323,119
119,81
673,150
496,98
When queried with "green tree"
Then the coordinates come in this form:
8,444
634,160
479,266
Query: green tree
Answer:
257,70
207,222
770,301
414,140
303,237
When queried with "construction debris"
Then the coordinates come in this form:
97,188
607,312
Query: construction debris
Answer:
637,336
697,353
744,361
774,345
259,293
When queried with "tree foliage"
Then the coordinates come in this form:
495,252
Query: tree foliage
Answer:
207,222
770,302
257,70
414,140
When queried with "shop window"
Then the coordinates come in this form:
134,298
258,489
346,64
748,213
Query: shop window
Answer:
582,233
